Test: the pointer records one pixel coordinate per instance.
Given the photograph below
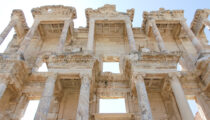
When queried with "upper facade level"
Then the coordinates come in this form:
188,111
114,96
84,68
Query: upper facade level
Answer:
109,35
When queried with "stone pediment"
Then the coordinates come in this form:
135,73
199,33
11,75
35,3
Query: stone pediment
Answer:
107,11
163,16
55,10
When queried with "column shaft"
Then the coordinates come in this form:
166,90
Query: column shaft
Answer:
90,42
191,35
181,100
157,36
63,36
45,101
6,31
130,35
21,107
26,41
83,105
143,101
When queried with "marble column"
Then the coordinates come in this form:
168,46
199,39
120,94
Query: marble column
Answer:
21,107
45,101
206,22
130,35
91,33
63,36
83,105
6,31
181,100
27,39
191,35
146,113
157,35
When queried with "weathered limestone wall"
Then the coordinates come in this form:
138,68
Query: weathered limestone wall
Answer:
68,106
149,82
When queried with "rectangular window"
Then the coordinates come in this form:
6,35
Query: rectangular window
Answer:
111,67
31,110
193,106
112,105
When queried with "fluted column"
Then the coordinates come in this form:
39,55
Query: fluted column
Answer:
63,36
206,22
181,100
45,101
130,35
26,41
91,31
146,113
157,35
191,35
6,31
83,105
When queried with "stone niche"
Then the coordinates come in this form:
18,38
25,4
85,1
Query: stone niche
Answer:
111,38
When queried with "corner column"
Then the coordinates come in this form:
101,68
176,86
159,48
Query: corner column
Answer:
83,105
45,101
181,100
63,36
157,36
192,37
146,113
90,42
6,31
26,41
130,35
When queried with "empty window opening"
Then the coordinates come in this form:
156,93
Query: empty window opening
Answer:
43,68
6,41
179,67
111,67
112,105
207,32
31,110
193,106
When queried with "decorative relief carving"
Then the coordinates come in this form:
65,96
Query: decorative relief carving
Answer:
55,10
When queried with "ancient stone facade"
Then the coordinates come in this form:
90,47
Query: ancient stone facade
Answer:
149,82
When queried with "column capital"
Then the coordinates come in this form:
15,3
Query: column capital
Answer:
85,76
174,75
52,77
138,76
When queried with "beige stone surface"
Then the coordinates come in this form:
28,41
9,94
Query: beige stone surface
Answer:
75,82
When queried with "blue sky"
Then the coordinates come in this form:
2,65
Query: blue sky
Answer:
189,6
